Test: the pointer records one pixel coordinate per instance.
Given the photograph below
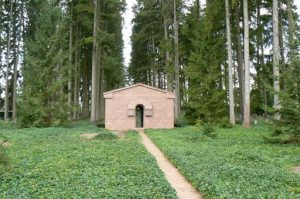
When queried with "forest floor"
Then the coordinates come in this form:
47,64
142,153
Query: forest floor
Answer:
238,163
60,163
83,161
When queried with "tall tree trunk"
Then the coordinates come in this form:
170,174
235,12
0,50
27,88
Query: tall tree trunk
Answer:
167,56
276,55
85,88
260,47
70,67
176,61
16,57
230,79
291,26
14,104
76,75
292,42
102,90
246,100
154,74
280,34
6,104
240,61
95,66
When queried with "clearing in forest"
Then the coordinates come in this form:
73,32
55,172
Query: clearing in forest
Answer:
235,164
57,162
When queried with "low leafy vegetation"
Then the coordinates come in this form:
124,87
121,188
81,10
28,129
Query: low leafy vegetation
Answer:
106,136
238,163
4,161
58,163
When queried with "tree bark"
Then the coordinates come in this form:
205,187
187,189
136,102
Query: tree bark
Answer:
240,61
6,104
76,75
262,65
246,100
95,67
85,88
280,34
70,67
176,61
291,27
167,56
14,104
276,55
229,51
102,90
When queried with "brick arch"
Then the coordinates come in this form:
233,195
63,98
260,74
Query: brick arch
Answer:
147,107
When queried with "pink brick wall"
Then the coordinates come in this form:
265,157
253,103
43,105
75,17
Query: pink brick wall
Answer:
118,102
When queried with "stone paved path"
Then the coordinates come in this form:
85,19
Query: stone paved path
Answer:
183,188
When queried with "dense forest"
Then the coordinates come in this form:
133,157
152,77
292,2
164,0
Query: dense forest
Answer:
227,61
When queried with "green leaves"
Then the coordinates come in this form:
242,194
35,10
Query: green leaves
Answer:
58,163
236,164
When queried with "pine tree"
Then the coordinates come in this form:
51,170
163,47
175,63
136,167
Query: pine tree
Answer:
43,102
205,67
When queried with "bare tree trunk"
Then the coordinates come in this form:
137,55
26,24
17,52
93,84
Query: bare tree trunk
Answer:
6,104
240,62
176,61
167,57
70,68
102,90
85,88
276,55
230,79
14,104
154,74
262,63
246,122
280,34
76,74
95,67
291,26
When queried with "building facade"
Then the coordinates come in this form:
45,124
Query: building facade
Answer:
139,106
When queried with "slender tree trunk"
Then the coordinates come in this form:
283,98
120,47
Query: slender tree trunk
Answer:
76,74
262,65
280,34
240,61
230,79
198,3
292,42
6,104
95,67
14,104
70,67
85,88
176,61
246,100
259,56
291,26
154,74
167,56
102,90
276,55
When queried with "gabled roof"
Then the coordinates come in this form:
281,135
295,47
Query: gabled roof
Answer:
136,85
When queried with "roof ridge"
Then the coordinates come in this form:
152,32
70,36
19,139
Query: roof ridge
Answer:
135,85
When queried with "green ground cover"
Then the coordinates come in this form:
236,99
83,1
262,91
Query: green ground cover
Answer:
236,164
58,163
